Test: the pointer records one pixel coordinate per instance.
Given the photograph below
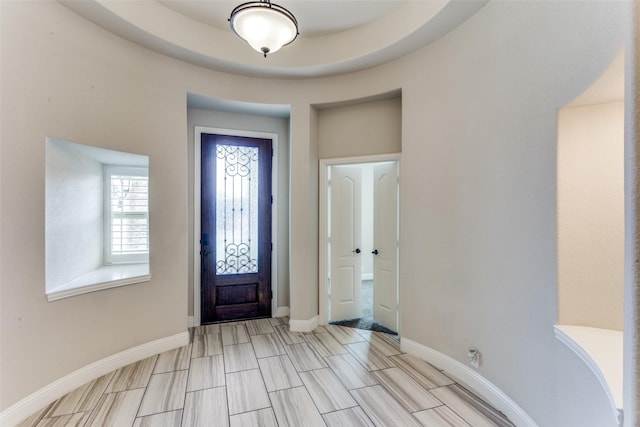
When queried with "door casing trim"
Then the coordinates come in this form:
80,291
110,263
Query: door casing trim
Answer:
198,131
323,241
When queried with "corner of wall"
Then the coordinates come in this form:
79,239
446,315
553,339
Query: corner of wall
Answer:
303,325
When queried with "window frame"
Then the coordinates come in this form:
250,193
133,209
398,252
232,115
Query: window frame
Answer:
109,257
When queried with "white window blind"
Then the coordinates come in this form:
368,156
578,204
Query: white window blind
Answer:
127,208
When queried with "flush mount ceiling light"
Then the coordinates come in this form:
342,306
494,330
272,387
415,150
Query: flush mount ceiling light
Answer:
264,25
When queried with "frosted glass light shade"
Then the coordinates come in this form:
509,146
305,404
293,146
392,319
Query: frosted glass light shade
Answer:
265,26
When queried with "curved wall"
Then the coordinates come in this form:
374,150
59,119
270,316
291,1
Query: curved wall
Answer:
479,244
478,237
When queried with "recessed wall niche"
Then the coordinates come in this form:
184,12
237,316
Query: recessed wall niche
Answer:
75,190
591,205
591,230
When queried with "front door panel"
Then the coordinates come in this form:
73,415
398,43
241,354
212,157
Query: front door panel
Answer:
236,227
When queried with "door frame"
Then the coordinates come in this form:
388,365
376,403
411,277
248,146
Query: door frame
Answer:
323,247
198,131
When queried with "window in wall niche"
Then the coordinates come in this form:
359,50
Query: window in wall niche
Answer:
127,214
96,219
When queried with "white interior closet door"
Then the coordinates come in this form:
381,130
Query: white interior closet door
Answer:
385,241
345,240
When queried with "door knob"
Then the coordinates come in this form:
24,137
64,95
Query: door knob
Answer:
357,250
375,252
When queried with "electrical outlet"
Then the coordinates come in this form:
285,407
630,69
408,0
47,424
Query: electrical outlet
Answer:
474,357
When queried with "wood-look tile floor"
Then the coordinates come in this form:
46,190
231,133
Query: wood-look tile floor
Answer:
258,373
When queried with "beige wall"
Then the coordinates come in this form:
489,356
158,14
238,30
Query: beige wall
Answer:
67,79
303,193
365,128
591,215
631,392
478,194
478,191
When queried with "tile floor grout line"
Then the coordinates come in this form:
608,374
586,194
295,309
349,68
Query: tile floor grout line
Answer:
226,380
458,414
466,400
184,399
393,396
314,402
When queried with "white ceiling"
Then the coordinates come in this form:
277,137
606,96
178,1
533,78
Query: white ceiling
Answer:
336,36
316,18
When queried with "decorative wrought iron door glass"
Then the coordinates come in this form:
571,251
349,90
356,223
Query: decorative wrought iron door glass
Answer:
237,186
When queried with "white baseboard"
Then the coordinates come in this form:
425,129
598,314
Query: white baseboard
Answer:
303,325
367,276
472,380
282,311
41,398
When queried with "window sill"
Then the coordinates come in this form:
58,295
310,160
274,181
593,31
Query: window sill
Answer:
102,278
601,351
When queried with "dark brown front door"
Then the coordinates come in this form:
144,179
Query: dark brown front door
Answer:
236,228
